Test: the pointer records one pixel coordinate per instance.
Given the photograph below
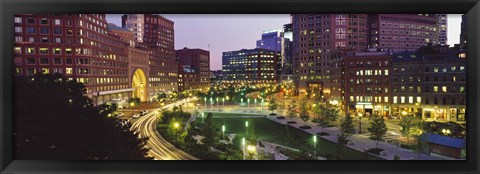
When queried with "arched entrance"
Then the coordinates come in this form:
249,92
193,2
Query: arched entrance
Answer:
139,85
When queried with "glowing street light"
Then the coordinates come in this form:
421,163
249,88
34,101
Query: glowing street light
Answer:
246,128
176,126
217,102
255,102
446,131
205,99
262,104
243,147
315,144
211,102
131,109
223,100
223,131
203,116
248,102
241,101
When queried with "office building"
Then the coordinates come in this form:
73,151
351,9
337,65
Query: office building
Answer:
194,68
250,66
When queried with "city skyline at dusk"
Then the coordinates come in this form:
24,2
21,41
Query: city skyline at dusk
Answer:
214,29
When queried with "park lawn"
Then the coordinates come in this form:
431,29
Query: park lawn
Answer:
231,114
270,131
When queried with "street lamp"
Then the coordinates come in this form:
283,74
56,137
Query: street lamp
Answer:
241,101
262,104
131,109
205,99
211,102
360,123
223,100
176,126
248,102
246,128
255,102
243,147
203,116
223,131
315,144
217,102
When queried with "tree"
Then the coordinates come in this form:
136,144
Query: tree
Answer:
291,112
272,105
377,129
161,96
304,115
340,147
346,126
54,120
327,116
135,100
209,131
410,125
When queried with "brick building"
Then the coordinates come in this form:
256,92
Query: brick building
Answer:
194,68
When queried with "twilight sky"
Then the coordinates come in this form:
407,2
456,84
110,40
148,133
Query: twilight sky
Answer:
229,32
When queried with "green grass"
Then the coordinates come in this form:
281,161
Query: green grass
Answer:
280,134
231,114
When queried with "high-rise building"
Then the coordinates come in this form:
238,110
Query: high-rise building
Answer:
194,68
463,33
442,27
367,83
79,46
400,32
274,40
287,54
138,63
314,36
156,33
430,83
250,66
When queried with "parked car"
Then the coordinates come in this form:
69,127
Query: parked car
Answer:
142,113
119,114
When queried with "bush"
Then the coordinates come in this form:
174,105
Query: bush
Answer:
272,114
292,122
281,118
323,133
305,127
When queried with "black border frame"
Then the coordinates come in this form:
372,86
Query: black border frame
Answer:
10,7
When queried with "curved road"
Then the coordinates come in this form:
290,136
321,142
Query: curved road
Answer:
159,147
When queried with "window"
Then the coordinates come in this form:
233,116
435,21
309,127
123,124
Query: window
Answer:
57,51
18,20
31,50
462,89
31,71
57,31
435,88
44,30
44,39
402,99
69,31
18,39
57,21
31,39
30,29
68,51
18,60
43,50
68,71
44,21
18,71
395,100
410,99
18,29
419,99
45,70
435,69
31,21
30,61
57,61
68,61
17,50
58,40
44,61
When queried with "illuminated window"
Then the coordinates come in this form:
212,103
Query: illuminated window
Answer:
410,99
17,50
402,99
68,71
395,98
43,50
45,70
419,99
444,89
435,89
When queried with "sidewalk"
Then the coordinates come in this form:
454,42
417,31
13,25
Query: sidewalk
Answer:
361,142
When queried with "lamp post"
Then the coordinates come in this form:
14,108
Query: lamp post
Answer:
248,102
360,123
446,131
255,102
211,102
243,147
246,128
262,104
223,131
176,126
241,101
223,101
315,145
205,99
203,117
131,109
217,102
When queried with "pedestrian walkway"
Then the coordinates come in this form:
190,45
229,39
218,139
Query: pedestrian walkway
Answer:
359,142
